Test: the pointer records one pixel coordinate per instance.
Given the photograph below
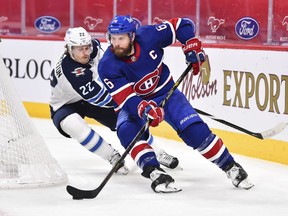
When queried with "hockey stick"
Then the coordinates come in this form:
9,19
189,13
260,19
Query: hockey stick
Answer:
90,194
263,135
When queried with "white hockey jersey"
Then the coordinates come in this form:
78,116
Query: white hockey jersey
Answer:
72,81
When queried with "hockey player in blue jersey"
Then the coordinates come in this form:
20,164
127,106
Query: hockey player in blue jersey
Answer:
134,73
77,92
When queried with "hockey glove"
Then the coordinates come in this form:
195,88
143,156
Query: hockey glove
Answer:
149,110
194,53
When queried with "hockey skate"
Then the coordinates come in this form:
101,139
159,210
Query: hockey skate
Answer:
113,160
161,181
238,176
167,160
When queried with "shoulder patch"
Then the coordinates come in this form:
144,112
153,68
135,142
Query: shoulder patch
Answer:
78,71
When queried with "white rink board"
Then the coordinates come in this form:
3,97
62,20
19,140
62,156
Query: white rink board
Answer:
31,62
268,68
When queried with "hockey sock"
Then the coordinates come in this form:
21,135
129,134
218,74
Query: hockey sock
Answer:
200,137
144,155
215,151
77,128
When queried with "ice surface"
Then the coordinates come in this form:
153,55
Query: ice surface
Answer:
206,189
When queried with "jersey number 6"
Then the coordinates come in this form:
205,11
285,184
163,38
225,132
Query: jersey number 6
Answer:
109,83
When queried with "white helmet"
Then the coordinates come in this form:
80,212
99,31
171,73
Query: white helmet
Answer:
77,36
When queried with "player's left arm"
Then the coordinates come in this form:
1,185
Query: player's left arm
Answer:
183,30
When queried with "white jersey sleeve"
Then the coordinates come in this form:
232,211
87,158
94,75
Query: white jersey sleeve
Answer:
71,82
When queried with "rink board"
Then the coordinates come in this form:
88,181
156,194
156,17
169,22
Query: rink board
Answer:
267,149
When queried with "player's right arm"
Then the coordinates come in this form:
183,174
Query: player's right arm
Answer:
122,92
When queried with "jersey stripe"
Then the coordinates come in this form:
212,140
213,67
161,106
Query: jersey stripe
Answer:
140,148
121,95
174,24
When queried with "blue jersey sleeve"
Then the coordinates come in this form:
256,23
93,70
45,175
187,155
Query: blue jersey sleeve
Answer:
184,28
166,33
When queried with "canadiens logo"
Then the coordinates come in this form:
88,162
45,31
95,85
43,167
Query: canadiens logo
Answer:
79,71
148,83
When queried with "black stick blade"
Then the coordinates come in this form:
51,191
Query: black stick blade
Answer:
78,194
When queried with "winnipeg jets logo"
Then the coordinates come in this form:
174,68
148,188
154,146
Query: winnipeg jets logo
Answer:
148,83
78,71
215,23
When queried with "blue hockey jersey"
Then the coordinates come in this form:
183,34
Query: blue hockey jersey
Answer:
143,75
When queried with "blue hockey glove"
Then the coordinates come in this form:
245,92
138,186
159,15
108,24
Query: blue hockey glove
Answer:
194,53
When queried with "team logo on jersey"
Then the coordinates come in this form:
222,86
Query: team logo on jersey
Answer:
247,28
47,24
79,71
148,83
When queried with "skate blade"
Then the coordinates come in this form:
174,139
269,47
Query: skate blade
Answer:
246,184
170,188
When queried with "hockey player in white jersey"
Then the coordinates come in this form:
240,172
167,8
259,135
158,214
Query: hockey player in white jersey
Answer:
76,92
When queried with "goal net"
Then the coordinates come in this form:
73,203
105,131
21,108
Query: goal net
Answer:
25,160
